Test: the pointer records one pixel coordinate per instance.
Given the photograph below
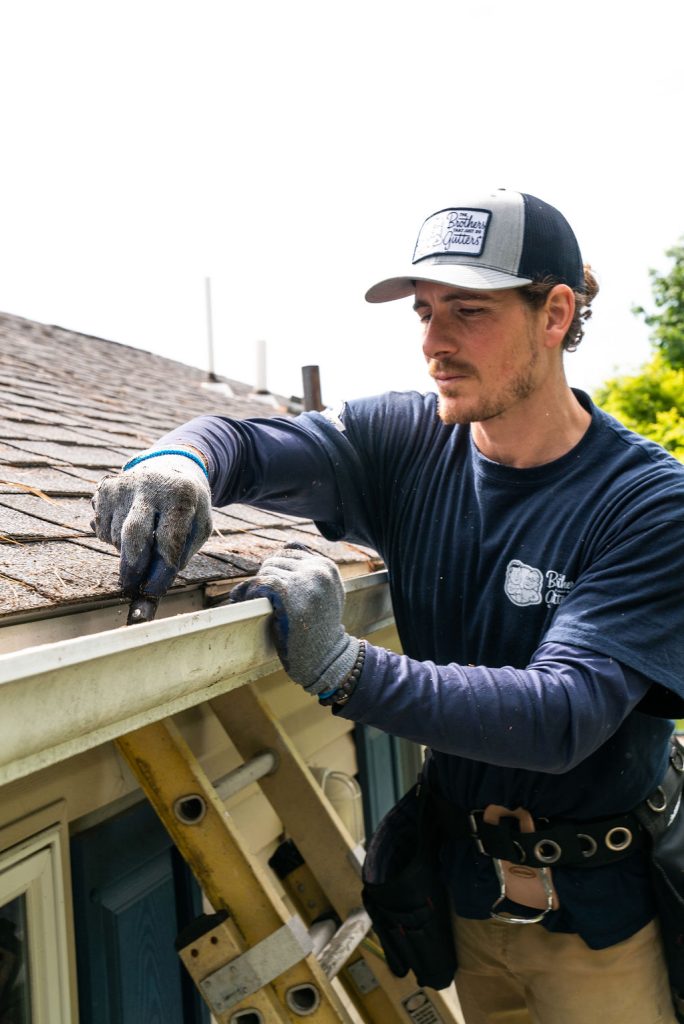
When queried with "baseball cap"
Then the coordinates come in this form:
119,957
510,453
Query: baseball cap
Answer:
501,239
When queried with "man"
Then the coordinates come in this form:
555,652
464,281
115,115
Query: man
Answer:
535,551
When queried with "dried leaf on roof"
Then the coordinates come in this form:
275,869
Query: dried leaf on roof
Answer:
25,487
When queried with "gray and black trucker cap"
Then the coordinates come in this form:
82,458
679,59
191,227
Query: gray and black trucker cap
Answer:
502,239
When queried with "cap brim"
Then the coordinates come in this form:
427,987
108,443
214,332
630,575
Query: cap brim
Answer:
457,274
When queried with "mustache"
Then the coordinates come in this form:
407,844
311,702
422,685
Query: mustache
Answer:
450,367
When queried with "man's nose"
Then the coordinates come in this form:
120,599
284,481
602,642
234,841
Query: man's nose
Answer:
438,341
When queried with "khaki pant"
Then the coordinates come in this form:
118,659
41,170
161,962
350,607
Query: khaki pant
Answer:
523,974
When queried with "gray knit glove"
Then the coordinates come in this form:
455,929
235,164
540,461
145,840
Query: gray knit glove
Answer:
157,513
306,592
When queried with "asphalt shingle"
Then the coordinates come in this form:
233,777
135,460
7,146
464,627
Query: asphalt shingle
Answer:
73,408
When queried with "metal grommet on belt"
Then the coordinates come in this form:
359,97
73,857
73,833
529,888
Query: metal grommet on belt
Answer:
588,844
658,801
618,838
547,851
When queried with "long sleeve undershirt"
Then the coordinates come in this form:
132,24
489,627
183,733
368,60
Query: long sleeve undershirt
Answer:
547,717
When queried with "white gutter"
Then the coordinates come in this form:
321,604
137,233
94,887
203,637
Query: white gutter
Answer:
64,698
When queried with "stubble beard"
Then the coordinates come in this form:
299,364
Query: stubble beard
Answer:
452,410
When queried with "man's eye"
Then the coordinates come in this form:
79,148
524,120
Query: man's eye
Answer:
424,318
470,310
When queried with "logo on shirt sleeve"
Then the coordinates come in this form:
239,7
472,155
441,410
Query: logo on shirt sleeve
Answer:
524,585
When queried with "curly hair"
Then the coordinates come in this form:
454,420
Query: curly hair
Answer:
535,295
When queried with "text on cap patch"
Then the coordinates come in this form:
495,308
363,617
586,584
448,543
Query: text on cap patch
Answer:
452,232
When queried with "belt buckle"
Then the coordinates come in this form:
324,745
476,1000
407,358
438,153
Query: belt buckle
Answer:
527,886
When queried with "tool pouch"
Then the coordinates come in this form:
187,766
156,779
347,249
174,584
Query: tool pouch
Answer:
405,895
663,817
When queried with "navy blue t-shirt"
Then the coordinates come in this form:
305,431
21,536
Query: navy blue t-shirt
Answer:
510,571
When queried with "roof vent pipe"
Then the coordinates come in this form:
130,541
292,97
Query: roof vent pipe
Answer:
261,386
210,329
311,378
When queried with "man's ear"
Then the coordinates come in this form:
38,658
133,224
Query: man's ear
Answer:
558,311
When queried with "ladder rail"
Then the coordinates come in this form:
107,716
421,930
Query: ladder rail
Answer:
328,850
252,954
176,785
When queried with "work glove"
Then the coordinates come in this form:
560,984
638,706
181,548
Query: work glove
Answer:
307,596
157,513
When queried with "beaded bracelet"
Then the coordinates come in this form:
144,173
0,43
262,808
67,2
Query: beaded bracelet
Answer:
167,451
339,697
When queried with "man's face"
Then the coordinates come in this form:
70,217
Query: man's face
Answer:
484,349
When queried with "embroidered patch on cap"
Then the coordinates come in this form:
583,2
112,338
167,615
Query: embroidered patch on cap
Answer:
452,232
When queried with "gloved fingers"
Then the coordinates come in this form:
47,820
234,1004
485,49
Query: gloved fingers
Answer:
300,560
250,590
304,572
242,592
287,561
103,508
151,565
264,584
158,577
184,522
134,535
143,570
158,514
193,543
306,593
295,555
127,525
280,623
149,562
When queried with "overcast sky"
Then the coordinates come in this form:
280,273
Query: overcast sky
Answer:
290,151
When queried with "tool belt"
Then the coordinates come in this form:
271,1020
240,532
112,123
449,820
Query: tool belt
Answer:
561,843
564,843
405,894
407,899
662,819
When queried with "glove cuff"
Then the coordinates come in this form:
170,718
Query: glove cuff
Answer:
339,697
167,451
341,666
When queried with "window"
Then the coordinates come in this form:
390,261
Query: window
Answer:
15,992
34,952
388,767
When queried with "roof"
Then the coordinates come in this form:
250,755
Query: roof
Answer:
74,407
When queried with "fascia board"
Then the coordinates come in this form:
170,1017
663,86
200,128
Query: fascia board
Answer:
64,698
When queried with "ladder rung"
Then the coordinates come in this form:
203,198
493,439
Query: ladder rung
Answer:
251,771
346,939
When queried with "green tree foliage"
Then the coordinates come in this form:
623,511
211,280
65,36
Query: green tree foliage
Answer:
667,324
651,401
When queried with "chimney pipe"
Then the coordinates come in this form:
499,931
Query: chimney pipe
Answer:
261,386
311,377
210,329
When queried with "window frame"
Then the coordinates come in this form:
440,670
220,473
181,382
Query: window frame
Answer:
34,863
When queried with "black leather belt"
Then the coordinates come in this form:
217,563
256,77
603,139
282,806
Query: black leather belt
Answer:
561,842
568,843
